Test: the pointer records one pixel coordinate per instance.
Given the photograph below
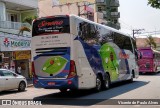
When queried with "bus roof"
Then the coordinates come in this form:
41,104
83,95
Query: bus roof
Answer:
107,27
145,48
104,26
149,48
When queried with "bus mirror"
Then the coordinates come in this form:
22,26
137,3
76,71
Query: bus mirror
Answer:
139,55
136,54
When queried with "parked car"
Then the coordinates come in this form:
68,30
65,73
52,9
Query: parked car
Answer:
10,80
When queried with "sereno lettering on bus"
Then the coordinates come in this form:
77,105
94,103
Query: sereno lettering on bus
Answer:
45,23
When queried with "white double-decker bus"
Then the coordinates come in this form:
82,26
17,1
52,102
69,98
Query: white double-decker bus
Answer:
70,52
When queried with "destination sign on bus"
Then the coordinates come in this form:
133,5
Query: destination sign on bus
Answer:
51,25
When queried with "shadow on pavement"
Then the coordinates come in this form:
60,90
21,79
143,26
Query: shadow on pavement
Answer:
8,92
88,97
150,74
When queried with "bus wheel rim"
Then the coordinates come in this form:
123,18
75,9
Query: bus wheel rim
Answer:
98,84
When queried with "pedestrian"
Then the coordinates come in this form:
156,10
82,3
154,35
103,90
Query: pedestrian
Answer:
12,68
19,70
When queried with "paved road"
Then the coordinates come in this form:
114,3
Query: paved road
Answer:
145,87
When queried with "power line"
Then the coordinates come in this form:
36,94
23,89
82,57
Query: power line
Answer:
150,32
129,26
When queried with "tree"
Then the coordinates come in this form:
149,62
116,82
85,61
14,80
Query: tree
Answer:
29,20
154,3
151,42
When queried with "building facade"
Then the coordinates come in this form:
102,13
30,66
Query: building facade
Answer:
141,42
107,13
100,11
14,49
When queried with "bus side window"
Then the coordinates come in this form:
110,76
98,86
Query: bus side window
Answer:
136,54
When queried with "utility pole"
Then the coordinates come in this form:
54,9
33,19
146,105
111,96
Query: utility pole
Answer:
78,9
79,6
136,31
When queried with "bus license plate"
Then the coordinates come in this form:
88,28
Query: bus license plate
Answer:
51,83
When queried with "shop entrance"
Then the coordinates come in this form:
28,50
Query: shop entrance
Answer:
23,67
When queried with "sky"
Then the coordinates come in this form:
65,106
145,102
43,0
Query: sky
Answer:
136,14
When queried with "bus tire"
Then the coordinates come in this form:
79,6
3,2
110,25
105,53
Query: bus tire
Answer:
63,90
98,83
106,83
131,80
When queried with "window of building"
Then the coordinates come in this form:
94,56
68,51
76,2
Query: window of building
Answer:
115,21
99,9
13,17
114,10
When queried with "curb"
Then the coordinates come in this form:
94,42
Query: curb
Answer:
30,85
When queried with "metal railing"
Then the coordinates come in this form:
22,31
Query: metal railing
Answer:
115,14
101,2
116,26
114,3
12,25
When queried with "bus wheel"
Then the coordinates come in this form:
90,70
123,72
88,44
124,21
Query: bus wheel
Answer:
63,90
98,84
106,83
131,80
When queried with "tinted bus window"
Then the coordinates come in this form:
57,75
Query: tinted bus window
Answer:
119,40
51,25
146,53
89,32
127,44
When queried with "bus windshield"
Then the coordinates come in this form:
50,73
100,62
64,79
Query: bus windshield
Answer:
51,25
147,53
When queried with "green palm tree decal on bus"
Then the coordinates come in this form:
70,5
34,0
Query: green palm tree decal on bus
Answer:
54,65
109,61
